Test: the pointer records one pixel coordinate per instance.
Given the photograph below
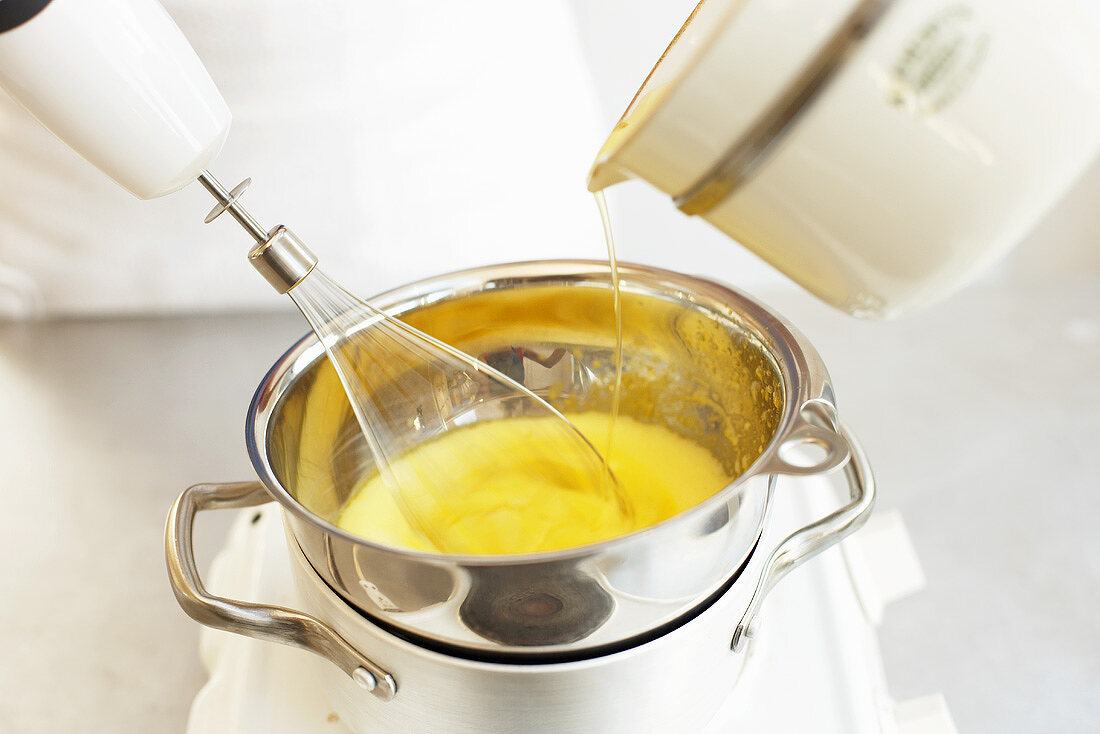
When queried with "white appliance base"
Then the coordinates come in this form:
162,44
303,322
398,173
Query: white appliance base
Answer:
815,666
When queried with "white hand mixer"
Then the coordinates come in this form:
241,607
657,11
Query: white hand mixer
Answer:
118,82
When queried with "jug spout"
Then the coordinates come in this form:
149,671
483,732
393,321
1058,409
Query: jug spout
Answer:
604,173
606,169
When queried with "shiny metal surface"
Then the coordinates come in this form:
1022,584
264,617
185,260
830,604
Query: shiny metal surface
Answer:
283,259
688,671
703,360
746,154
672,685
279,256
228,202
800,546
677,681
274,624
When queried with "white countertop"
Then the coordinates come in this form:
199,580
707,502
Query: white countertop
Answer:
980,418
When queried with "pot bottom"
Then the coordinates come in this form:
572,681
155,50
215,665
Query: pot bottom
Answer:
672,681
534,657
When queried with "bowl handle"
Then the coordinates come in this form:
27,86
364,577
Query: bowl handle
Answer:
259,621
800,546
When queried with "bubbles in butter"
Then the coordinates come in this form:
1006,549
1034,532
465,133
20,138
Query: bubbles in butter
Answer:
513,507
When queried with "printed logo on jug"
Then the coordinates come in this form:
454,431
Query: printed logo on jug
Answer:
939,61
17,12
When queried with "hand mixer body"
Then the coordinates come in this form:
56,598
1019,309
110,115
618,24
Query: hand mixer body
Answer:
119,83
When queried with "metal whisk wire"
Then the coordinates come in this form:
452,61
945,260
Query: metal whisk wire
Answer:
405,388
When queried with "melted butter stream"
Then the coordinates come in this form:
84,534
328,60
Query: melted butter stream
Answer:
617,307
519,506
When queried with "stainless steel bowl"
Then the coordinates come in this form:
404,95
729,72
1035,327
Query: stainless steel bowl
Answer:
702,359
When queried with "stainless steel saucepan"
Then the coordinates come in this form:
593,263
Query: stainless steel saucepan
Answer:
702,359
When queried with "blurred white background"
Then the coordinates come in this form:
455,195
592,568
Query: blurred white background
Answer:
399,143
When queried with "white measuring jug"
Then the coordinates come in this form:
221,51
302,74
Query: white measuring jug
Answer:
879,152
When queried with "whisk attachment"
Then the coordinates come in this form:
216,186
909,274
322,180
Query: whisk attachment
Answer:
279,256
405,388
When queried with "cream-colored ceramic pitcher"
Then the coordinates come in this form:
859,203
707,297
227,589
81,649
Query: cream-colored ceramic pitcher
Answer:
879,152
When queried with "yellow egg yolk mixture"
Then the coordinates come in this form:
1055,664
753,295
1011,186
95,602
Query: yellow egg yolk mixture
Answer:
515,506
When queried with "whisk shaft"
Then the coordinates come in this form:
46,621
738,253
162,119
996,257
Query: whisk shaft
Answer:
228,201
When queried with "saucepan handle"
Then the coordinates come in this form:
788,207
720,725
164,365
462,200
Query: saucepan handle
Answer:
259,621
810,540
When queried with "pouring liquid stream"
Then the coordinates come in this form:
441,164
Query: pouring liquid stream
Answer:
616,295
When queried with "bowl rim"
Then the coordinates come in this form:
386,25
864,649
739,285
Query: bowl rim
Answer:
802,374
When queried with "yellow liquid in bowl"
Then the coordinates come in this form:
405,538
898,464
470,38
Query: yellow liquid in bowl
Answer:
515,508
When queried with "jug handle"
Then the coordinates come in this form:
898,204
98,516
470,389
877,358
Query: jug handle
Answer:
807,542
276,624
